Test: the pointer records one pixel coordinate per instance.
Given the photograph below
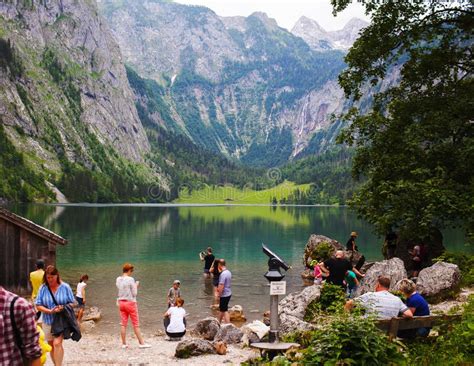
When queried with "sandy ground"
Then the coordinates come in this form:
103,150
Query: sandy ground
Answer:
102,349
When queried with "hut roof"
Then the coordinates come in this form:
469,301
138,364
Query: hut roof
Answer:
31,227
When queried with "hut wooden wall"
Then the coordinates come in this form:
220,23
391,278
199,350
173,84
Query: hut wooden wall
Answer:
19,250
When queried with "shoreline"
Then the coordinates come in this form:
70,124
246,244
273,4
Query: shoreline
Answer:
171,204
95,348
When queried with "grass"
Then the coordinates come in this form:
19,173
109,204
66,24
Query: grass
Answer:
229,214
230,194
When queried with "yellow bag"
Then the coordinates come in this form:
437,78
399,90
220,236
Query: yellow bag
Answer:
45,347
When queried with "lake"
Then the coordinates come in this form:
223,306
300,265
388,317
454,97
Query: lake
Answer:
163,243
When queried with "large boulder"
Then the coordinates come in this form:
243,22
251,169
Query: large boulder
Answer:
229,334
438,281
254,332
207,328
318,245
292,309
290,324
194,347
295,304
236,314
392,268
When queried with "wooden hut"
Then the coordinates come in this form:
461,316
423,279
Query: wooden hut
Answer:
22,243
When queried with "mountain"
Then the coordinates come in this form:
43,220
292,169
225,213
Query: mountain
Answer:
67,111
319,39
240,86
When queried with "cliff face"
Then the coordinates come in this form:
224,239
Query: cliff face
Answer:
71,87
238,85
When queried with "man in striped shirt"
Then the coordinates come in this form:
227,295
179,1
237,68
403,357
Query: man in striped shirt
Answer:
381,303
24,317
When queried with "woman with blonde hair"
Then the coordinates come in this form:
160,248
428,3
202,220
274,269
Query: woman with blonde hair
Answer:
418,306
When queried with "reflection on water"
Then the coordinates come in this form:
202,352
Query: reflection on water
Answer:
163,243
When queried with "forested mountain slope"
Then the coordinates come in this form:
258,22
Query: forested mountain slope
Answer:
240,86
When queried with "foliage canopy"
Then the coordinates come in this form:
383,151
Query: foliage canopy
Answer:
415,148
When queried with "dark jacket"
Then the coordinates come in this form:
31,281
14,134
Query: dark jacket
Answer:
65,323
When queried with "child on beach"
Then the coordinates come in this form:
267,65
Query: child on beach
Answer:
81,295
174,293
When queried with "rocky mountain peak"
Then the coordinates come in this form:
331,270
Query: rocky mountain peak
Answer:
355,23
320,39
305,23
270,23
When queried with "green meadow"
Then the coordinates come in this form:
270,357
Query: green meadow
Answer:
229,194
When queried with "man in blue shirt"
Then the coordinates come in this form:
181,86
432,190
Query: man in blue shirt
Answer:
418,306
225,292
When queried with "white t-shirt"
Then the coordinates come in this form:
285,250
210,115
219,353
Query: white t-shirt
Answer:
80,286
176,320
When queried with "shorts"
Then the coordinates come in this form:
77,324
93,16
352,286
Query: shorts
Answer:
206,270
128,309
224,303
80,302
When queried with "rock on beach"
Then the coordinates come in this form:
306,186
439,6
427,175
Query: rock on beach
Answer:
194,347
207,328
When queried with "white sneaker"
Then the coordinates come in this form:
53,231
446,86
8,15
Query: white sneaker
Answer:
124,346
144,345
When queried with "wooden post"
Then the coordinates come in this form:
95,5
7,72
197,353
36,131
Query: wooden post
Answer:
393,328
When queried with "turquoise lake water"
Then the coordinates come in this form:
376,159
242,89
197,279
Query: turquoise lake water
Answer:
163,243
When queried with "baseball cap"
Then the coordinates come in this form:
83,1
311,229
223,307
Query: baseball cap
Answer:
177,281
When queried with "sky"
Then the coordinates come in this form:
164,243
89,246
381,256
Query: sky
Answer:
286,12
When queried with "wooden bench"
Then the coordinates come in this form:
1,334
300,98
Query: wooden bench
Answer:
393,325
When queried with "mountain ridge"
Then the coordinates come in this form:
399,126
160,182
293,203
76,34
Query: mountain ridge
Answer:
320,39
238,85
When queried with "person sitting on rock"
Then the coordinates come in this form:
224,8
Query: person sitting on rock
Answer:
381,303
352,247
417,305
336,269
175,322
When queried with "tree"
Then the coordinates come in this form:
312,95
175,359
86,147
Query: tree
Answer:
415,147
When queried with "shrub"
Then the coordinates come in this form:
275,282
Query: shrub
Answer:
352,341
322,252
331,301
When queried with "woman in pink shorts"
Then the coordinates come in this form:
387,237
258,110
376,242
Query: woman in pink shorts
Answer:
127,302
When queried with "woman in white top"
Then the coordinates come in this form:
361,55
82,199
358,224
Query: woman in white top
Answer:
127,302
81,296
175,322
